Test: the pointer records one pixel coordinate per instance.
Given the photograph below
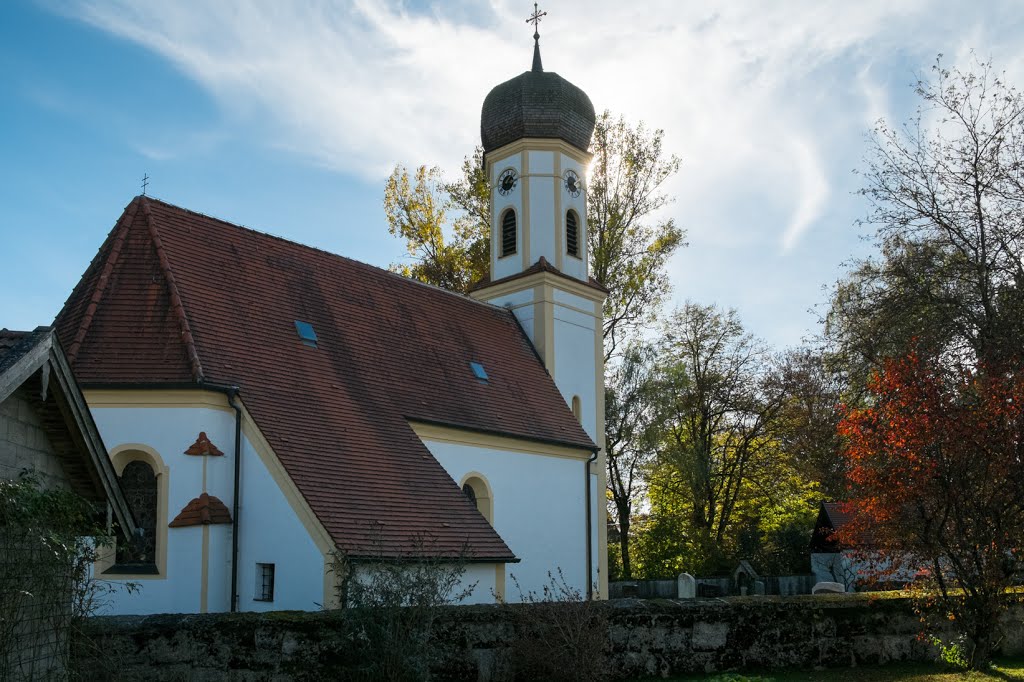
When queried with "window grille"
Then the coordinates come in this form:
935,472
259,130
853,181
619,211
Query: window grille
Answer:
264,582
572,234
138,482
508,233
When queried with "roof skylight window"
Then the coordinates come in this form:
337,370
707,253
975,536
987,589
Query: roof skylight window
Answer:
479,372
306,333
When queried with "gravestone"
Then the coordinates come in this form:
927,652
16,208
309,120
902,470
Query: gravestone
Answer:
759,587
687,586
828,588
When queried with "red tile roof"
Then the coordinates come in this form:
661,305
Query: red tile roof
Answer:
175,297
833,518
203,446
202,511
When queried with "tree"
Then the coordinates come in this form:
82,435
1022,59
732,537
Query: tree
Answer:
453,254
627,254
628,405
717,402
946,192
808,419
935,463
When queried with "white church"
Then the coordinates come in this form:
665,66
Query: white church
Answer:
270,407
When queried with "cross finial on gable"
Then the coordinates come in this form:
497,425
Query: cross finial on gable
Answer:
145,183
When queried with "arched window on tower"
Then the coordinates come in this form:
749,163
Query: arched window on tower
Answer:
572,233
508,232
577,408
138,481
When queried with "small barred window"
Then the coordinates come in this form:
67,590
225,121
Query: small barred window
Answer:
508,232
264,582
572,234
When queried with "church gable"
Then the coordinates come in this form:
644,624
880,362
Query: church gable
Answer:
125,294
337,412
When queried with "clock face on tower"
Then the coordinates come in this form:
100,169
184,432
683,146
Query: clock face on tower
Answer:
572,183
507,181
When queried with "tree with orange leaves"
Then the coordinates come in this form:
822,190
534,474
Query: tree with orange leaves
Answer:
936,467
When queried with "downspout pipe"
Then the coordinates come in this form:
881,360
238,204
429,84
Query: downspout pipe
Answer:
232,392
590,561
234,498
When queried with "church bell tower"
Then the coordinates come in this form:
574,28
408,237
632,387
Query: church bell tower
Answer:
535,130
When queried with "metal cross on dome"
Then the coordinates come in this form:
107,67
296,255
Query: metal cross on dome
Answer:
535,20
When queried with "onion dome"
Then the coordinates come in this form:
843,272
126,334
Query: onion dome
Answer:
536,104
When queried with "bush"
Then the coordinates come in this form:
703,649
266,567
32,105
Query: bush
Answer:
559,635
48,543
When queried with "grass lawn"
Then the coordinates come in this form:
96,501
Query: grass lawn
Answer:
914,672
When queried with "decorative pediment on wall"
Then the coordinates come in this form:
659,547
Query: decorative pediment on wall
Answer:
202,511
203,447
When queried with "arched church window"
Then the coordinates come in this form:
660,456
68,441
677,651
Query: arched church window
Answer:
508,232
577,408
572,233
139,484
479,493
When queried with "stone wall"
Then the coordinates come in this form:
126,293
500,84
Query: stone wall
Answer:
24,443
642,638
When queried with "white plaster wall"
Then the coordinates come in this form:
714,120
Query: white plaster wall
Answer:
576,363
539,510
268,527
270,532
543,185
515,300
478,579
833,567
170,432
509,265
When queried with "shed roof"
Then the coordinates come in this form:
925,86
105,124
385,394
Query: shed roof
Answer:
36,361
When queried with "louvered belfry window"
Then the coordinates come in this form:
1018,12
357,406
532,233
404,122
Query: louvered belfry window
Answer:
572,234
508,232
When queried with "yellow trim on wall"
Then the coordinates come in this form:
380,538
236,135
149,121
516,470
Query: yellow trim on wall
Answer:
525,183
204,586
97,398
499,582
559,217
544,327
568,284
537,144
121,456
457,436
601,464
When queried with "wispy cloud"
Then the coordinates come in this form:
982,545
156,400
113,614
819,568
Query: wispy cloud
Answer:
359,86
767,103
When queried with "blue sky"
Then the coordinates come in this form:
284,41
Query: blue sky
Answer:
287,117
